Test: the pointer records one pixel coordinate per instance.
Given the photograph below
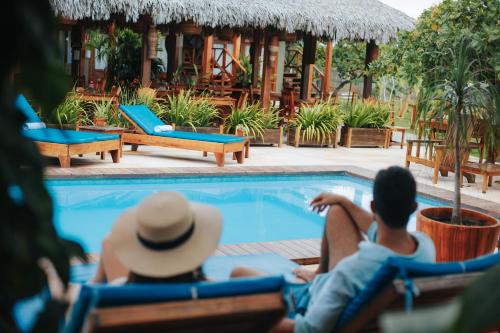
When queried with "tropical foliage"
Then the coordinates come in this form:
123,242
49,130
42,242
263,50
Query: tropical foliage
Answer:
249,119
27,231
123,55
185,110
318,122
70,111
366,115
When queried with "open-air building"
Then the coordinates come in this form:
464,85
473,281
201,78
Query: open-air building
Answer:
207,40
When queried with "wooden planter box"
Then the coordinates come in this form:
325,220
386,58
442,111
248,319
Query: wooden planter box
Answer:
364,137
204,130
295,139
271,137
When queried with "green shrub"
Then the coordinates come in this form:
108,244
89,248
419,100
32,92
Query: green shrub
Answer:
70,112
271,118
318,122
184,110
249,120
361,115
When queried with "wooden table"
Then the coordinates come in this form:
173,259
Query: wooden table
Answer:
107,130
485,170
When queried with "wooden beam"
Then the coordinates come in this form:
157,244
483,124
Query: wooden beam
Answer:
271,49
255,52
171,44
328,70
308,59
76,47
371,55
145,60
207,61
236,53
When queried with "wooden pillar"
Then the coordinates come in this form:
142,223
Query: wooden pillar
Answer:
255,51
328,70
145,60
308,59
171,45
236,53
271,49
207,59
76,46
371,55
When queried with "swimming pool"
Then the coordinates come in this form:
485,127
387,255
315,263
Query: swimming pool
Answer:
255,208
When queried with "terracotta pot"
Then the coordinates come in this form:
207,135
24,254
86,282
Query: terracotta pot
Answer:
459,242
100,121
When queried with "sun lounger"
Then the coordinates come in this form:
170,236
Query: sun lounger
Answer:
148,131
65,143
239,305
395,284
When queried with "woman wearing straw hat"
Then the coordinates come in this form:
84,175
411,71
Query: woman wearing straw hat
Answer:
164,239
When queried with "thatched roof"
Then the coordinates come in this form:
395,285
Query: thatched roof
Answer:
334,19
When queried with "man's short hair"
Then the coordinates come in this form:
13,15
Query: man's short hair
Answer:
394,193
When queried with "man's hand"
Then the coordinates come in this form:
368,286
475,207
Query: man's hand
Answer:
325,200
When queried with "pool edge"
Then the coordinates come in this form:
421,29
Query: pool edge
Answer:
424,190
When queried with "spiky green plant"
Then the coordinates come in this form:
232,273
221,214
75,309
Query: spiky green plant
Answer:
360,115
70,111
102,109
249,120
318,122
202,113
271,118
178,109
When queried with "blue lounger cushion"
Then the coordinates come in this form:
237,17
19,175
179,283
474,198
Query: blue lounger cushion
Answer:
402,268
67,136
105,295
24,106
147,120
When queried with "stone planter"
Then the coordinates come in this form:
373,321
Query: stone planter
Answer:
459,242
295,139
364,137
272,136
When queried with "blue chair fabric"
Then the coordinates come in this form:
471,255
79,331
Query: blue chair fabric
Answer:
24,106
406,269
67,136
92,296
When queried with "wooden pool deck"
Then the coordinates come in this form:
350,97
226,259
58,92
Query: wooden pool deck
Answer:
302,251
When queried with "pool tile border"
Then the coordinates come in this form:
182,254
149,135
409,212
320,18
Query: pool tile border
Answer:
433,192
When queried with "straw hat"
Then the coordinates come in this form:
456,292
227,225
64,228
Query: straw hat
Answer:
165,235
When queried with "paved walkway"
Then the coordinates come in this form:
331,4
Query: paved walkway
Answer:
371,159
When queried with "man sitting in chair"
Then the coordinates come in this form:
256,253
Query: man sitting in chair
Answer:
348,261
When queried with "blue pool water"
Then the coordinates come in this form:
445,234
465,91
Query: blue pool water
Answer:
255,208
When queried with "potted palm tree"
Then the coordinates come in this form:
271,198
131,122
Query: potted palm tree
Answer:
465,98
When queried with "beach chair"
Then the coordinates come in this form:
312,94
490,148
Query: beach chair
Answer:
148,131
239,305
402,284
65,143
438,154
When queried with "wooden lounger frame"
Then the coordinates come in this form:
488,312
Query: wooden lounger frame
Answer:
249,313
433,290
64,151
219,149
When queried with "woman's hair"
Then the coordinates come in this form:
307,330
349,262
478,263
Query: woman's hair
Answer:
191,276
